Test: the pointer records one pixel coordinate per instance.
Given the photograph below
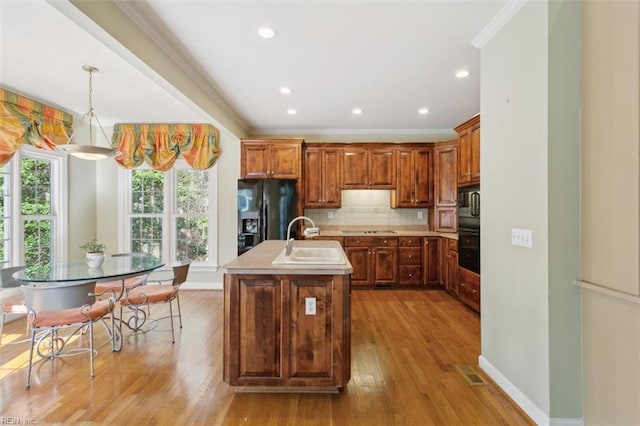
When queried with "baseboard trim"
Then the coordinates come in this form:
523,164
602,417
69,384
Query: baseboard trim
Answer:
513,392
200,286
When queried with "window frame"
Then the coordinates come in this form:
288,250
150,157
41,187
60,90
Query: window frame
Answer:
170,214
58,200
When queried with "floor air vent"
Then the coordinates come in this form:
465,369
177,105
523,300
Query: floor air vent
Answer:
471,375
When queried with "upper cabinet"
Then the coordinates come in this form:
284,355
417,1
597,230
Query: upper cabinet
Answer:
469,151
322,177
444,217
367,167
415,178
271,158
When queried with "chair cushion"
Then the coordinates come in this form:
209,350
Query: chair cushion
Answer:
149,294
117,284
14,305
71,316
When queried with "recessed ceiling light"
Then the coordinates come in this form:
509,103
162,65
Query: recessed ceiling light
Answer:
462,74
357,111
291,111
285,90
423,111
266,32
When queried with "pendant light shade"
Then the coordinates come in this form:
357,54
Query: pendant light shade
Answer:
89,150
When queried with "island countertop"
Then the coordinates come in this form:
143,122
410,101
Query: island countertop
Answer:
258,260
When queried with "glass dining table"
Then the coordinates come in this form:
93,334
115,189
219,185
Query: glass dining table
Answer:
69,279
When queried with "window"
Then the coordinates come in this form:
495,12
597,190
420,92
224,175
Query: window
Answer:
32,208
169,213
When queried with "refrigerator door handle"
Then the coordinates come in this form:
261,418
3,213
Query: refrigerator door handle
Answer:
265,221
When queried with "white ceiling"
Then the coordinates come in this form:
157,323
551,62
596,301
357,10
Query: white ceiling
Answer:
388,58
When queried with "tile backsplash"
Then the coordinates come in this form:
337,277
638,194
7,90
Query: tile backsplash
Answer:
367,207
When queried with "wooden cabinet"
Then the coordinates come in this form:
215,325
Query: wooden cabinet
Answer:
322,177
409,261
366,167
271,158
444,215
270,341
469,288
415,179
469,152
430,260
374,260
449,264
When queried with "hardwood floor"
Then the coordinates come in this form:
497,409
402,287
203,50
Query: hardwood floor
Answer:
405,348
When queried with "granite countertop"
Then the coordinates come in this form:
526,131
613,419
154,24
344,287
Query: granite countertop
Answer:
379,231
258,260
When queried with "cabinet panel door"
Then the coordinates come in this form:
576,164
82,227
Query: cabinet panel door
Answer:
446,219
355,168
474,156
360,261
452,271
311,336
423,166
430,260
446,192
406,179
260,306
331,178
464,151
285,161
382,168
313,188
385,265
255,161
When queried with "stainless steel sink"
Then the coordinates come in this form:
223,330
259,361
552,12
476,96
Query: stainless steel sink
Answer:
311,256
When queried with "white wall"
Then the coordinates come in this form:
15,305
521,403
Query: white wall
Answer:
529,305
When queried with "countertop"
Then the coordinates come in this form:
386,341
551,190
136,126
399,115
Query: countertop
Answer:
379,231
258,260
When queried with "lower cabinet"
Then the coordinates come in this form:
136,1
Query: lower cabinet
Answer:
271,341
430,260
449,264
374,260
409,261
469,288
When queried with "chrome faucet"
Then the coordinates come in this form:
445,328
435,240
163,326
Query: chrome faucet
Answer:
308,232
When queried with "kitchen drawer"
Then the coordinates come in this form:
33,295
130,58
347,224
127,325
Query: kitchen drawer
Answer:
410,275
371,241
469,288
410,256
409,241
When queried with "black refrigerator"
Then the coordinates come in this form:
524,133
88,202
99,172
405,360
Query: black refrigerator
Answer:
265,208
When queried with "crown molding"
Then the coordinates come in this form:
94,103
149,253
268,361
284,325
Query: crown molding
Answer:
501,19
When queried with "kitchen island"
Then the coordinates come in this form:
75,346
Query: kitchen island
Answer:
287,327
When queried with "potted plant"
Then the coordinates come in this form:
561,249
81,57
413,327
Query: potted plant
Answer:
94,253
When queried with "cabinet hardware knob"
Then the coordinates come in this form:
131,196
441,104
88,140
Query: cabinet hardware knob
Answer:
410,275
410,256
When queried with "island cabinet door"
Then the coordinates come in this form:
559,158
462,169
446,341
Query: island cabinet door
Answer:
253,310
314,331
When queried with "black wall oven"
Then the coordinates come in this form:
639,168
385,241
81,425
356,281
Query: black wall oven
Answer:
469,228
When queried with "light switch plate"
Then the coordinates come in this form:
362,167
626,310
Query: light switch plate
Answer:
419,215
522,237
310,305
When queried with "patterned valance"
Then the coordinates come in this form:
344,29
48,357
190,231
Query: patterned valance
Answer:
25,120
160,144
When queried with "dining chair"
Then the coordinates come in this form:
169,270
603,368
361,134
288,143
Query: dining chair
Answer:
15,304
66,306
149,293
119,286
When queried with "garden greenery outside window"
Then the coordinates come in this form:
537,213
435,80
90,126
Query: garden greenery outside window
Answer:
31,208
169,214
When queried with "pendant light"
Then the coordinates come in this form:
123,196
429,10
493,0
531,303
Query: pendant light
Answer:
89,151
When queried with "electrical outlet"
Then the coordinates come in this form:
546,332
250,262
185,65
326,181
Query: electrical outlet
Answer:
330,215
419,215
522,237
310,305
